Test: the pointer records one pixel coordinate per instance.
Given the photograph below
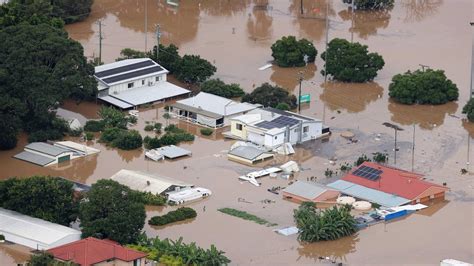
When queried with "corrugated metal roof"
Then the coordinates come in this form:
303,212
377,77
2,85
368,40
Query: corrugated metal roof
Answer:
33,158
146,182
173,151
372,195
246,152
148,94
308,190
27,227
216,104
46,148
116,102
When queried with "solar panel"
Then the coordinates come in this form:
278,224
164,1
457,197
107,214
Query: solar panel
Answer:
368,173
279,122
121,69
133,74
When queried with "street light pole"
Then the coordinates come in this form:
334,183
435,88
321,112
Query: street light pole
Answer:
300,78
327,36
413,150
472,66
396,128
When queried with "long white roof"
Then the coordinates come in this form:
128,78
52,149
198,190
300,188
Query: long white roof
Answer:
146,182
38,230
216,104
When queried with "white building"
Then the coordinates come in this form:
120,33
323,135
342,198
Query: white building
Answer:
271,127
210,110
133,82
33,232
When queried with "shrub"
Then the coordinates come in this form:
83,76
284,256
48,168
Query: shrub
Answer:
89,136
206,131
423,87
351,62
174,129
168,139
185,136
94,126
158,127
380,157
363,158
371,4
180,214
44,135
149,127
321,225
148,198
128,140
110,134
170,260
113,117
151,143
218,87
75,132
2,237
328,172
288,52
270,96
246,216
283,106
469,110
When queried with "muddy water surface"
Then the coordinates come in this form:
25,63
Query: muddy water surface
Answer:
236,36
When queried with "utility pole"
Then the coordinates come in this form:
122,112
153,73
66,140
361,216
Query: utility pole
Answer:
352,21
327,36
423,67
301,7
100,40
158,36
146,25
396,128
413,150
300,79
472,66
468,150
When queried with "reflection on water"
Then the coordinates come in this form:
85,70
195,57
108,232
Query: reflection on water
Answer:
259,23
336,249
288,77
313,20
222,7
417,10
426,116
366,23
352,97
469,127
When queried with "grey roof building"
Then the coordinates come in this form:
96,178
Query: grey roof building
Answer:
302,191
248,155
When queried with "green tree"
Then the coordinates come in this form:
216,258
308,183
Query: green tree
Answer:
351,62
167,117
270,96
41,259
288,52
56,67
371,4
423,87
31,12
468,109
129,53
219,88
71,10
168,57
283,106
111,210
194,69
363,158
47,198
128,140
321,225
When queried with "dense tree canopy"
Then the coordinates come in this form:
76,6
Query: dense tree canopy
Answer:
270,96
371,4
468,109
351,62
71,10
194,69
47,198
320,225
111,210
423,87
288,52
218,87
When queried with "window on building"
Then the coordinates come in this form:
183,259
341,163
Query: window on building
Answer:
297,129
158,78
275,137
130,85
143,82
306,129
239,127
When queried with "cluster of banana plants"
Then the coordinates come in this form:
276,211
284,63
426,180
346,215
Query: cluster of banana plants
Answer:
188,254
320,225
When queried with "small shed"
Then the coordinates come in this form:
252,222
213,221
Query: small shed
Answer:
248,155
33,232
44,154
148,182
302,191
173,152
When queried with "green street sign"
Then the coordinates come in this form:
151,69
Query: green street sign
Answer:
305,98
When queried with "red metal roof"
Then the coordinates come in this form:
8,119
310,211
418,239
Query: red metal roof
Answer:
394,181
91,250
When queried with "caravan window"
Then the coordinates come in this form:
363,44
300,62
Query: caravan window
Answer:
239,126
130,85
306,129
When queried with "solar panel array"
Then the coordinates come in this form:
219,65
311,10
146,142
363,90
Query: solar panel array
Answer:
368,173
279,122
133,74
121,69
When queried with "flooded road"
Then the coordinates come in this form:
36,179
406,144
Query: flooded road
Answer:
236,36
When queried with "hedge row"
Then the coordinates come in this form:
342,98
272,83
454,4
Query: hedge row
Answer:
180,214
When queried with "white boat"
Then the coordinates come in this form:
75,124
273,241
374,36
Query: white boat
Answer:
154,155
265,67
188,194
252,180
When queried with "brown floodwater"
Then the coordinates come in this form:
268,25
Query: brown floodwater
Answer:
236,36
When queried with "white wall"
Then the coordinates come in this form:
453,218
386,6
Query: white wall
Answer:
138,83
255,137
315,130
274,140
